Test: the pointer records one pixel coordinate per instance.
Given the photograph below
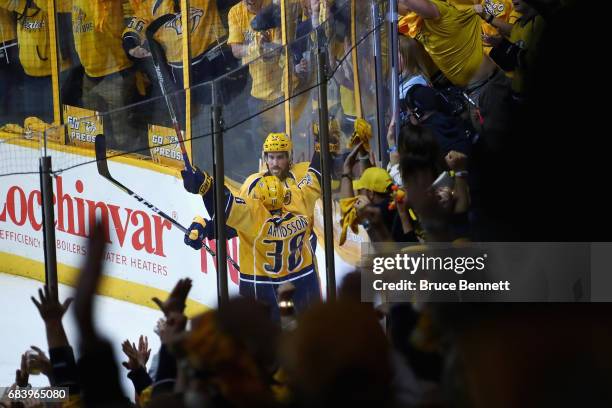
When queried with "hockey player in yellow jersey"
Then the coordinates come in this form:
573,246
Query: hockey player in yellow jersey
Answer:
278,154
274,225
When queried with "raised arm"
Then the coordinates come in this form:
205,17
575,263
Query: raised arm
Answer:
423,8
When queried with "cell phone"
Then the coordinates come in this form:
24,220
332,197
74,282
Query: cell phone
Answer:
443,180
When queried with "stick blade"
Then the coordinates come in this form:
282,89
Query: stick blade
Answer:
100,146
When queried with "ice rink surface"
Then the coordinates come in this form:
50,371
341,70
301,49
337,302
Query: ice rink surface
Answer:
22,327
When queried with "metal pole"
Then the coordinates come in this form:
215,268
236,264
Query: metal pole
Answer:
330,266
46,189
219,175
392,18
54,46
380,96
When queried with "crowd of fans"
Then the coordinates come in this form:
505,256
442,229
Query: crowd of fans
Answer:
470,74
463,70
335,353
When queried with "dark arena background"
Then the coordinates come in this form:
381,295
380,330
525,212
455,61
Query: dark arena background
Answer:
304,203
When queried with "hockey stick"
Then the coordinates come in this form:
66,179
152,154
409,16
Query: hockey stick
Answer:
158,59
100,145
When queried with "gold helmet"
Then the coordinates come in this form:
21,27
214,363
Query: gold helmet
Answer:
270,191
278,142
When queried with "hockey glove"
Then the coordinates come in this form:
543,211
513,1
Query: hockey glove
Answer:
197,233
196,182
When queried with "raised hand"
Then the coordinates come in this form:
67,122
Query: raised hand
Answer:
49,306
177,298
137,356
21,375
38,362
88,281
456,161
351,159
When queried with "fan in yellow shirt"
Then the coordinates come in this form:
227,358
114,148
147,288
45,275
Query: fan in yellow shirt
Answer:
109,82
250,46
97,27
11,74
206,34
452,37
261,50
498,18
34,55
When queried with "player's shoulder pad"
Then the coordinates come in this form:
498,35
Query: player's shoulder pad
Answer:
300,169
305,181
250,183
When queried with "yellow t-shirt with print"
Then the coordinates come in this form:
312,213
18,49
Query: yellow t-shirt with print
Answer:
454,40
502,9
97,27
463,4
34,40
266,73
204,23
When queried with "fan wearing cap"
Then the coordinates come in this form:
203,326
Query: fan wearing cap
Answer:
367,200
274,232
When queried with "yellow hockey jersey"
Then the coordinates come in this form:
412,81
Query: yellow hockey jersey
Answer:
276,248
206,28
266,73
296,173
97,26
33,38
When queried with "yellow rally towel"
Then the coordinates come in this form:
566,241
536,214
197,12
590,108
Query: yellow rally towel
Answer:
11,128
362,133
349,217
33,125
410,24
